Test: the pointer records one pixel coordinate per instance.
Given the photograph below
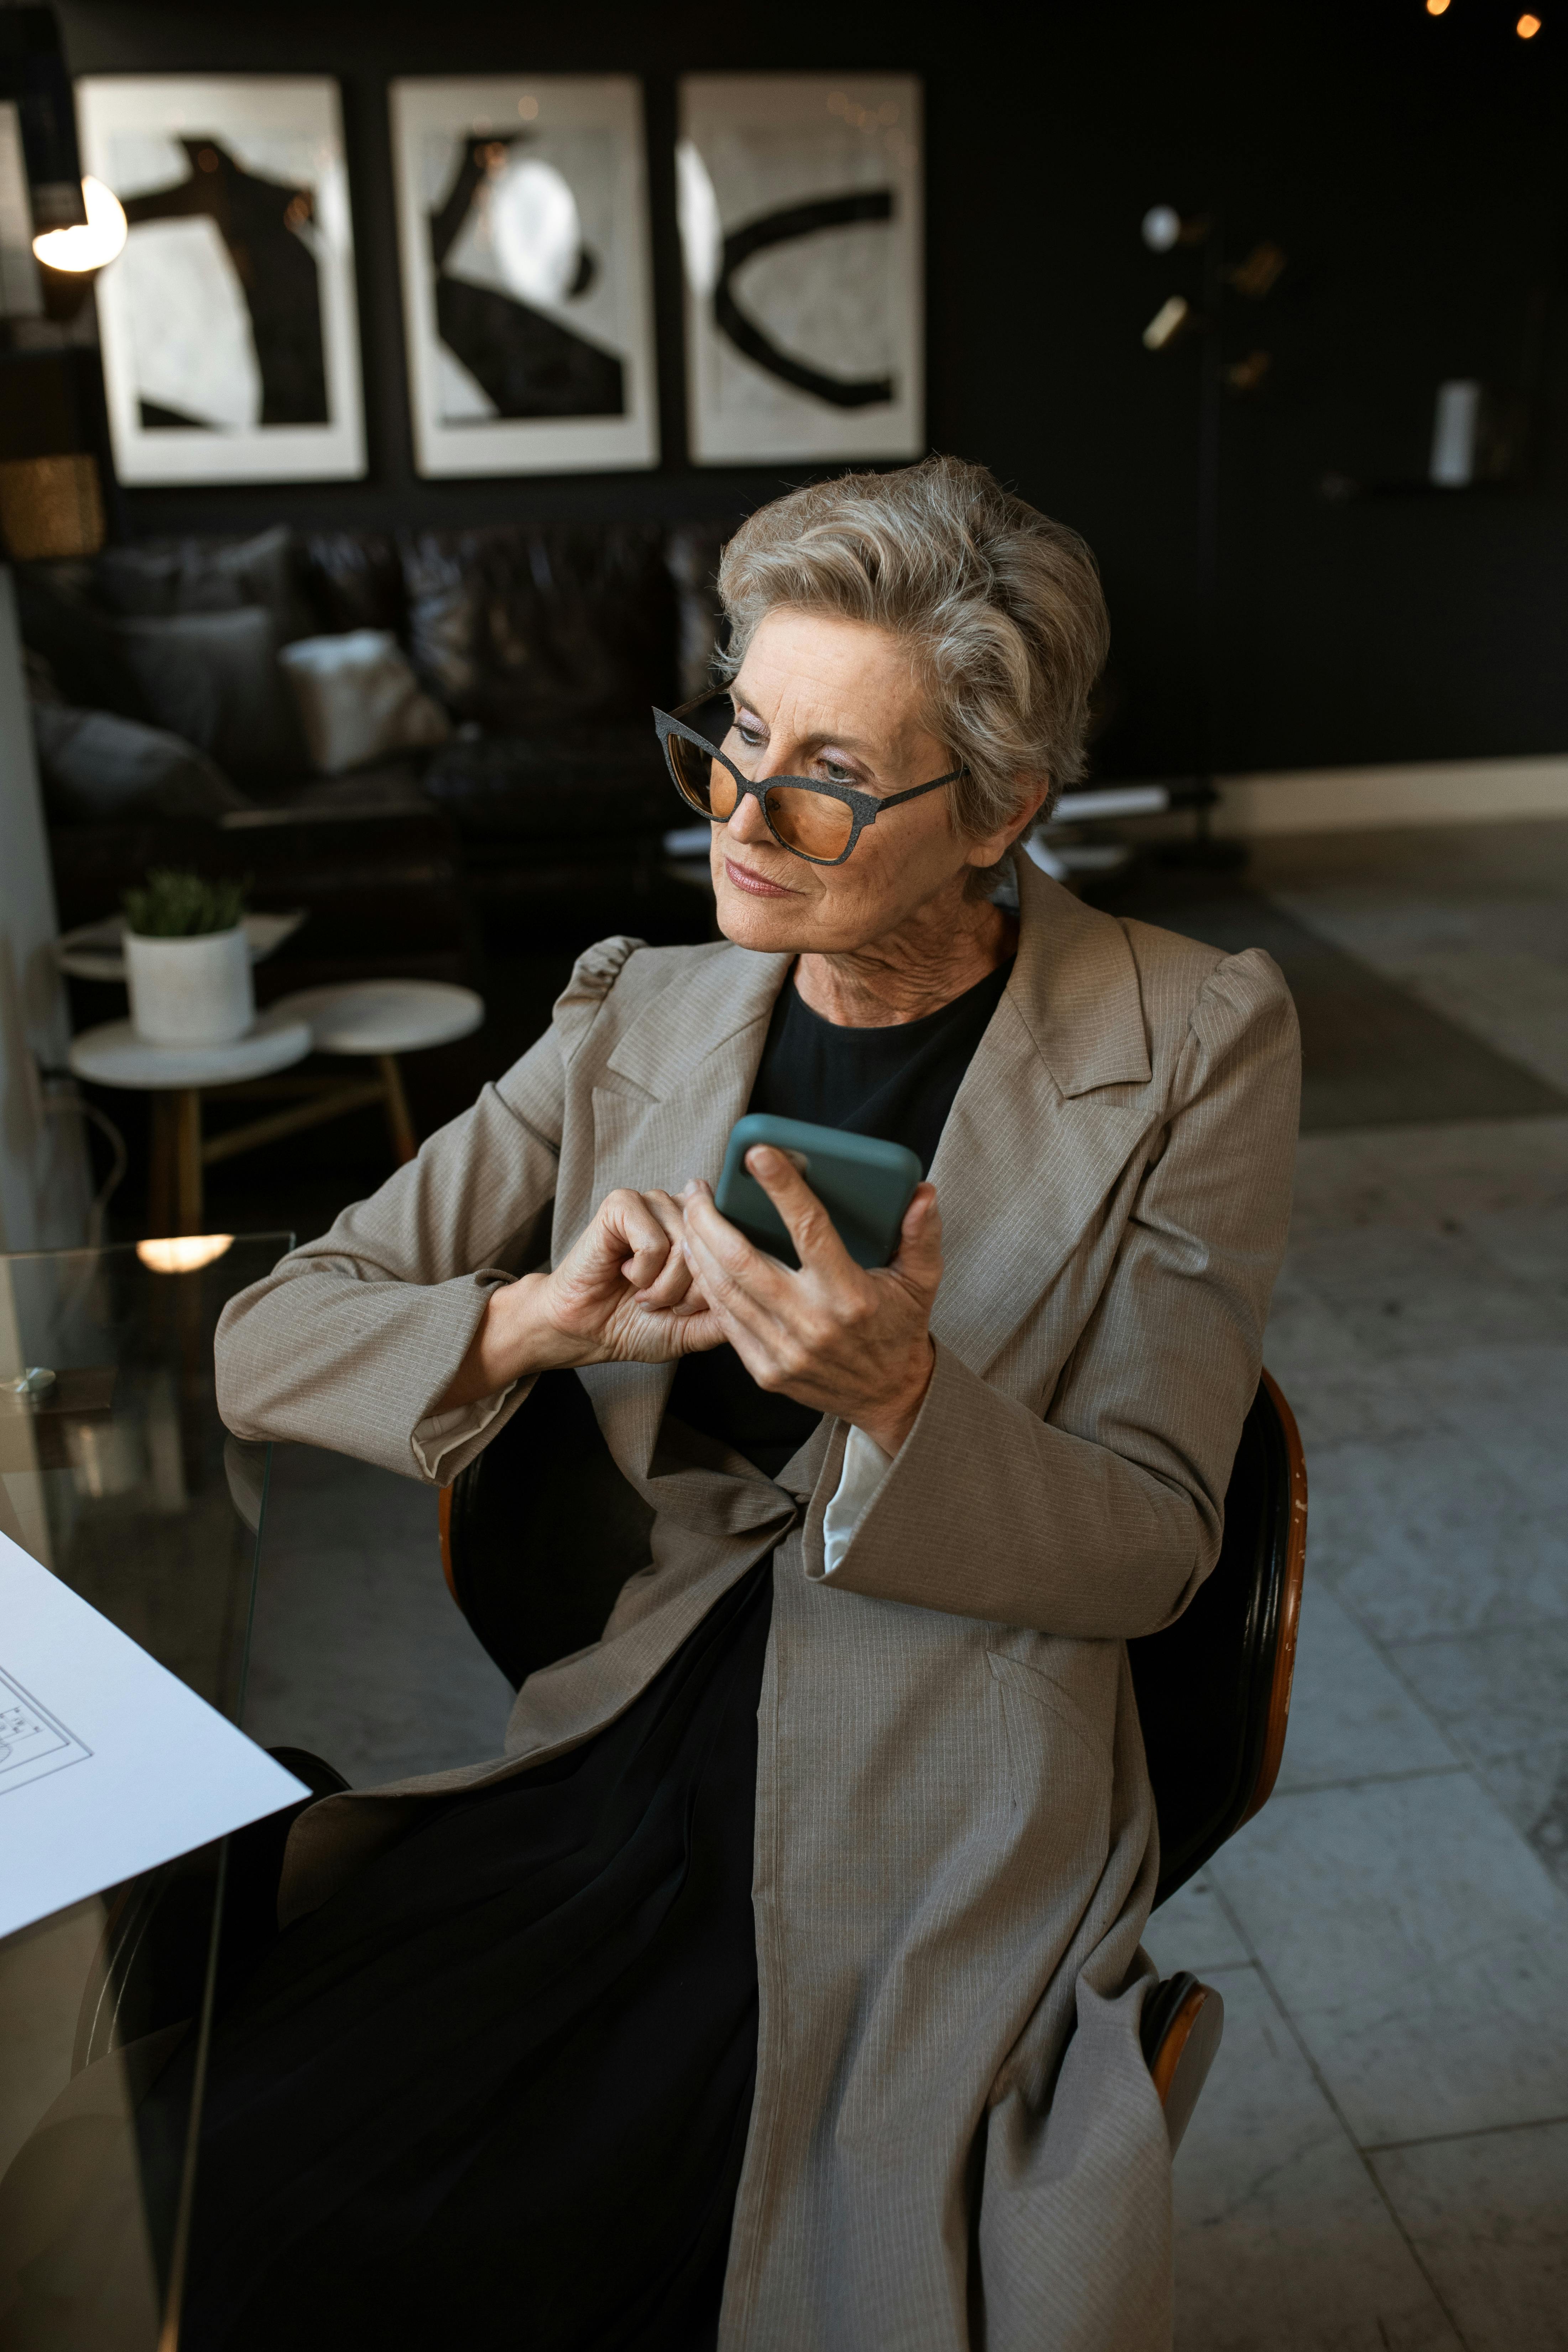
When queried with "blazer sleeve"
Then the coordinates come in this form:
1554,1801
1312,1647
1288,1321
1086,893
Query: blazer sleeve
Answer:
349,1341
1101,1520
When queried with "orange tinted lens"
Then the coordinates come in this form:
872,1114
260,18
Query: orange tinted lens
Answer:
812,822
692,769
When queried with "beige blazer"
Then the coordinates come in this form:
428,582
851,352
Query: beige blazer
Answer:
954,2139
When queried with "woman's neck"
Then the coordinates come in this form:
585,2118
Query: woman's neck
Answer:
938,954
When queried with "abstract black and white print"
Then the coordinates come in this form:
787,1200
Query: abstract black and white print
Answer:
230,343
523,218
801,229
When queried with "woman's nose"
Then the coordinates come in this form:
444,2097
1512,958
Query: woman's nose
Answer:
747,821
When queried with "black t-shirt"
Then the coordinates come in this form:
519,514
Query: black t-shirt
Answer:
897,1083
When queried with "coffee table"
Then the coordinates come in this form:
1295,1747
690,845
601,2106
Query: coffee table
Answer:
372,1020
177,1076
377,1020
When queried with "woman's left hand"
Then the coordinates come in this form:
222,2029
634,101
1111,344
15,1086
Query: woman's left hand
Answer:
834,1335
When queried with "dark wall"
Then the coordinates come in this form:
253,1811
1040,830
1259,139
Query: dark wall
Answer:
1410,167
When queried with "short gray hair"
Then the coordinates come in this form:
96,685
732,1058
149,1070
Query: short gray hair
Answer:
1000,606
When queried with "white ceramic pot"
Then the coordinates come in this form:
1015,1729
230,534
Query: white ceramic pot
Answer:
194,992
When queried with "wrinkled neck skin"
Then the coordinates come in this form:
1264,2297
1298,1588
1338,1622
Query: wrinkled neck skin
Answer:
946,946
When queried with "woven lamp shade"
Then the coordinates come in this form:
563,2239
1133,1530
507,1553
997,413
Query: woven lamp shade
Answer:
50,507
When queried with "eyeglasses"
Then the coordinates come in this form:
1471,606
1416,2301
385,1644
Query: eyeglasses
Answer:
817,820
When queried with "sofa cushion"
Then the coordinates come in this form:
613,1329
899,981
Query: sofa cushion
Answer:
382,889
97,768
82,646
153,579
358,699
603,786
390,788
536,626
693,554
355,580
213,678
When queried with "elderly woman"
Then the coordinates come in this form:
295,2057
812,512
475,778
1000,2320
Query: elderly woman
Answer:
779,1986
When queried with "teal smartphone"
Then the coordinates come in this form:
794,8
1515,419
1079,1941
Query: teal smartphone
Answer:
864,1185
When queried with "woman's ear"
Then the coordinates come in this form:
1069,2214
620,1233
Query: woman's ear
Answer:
995,845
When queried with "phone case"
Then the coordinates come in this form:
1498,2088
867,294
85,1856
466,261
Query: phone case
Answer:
864,1185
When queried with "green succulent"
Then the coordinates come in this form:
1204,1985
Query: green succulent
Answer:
183,906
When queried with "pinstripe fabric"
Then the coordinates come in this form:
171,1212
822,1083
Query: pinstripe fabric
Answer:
956,2142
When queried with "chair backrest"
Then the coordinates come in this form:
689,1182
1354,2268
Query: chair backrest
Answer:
1214,1688
540,1531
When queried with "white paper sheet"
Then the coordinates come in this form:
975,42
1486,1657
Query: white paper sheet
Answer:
109,1765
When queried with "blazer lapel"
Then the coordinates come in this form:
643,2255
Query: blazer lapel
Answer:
1044,1122
1036,1139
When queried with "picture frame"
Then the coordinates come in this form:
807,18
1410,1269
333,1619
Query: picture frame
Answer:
228,325
527,272
802,229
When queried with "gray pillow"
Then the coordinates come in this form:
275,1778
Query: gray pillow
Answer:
214,678
96,769
160,577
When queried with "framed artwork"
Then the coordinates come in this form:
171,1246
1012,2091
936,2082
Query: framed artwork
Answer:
527,281
229,332
802,231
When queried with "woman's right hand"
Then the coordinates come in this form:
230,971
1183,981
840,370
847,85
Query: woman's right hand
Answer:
623,1295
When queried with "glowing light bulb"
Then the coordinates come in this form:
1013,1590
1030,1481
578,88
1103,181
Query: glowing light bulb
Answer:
1527,27
1436,7
184,1253
89,246
1160,227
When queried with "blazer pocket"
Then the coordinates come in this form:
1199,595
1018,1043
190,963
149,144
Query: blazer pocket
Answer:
1059,1756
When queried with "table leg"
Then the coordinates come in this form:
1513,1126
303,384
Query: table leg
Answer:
161,1163
400,1125
187,1105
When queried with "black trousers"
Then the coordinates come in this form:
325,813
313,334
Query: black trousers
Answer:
500,2086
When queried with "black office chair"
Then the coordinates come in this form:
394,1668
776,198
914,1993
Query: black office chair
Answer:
1214,1689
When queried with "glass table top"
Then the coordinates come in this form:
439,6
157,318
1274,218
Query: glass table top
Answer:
118,1476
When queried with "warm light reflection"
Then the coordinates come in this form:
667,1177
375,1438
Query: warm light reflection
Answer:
93,245
1167,322
186,1253
1527,27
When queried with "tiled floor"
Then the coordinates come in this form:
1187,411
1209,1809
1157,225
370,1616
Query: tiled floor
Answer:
1381,2156
1379,2159
358,1650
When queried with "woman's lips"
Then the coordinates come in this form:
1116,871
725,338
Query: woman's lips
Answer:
757,886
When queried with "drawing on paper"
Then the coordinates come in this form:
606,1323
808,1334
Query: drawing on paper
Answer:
528,303
32,1740
229,330
800,224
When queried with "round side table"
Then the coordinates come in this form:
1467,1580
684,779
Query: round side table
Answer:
176,1077
376,1020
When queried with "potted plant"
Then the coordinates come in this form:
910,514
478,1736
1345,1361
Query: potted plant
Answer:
187,960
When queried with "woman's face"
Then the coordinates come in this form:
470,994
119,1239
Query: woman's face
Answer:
822,697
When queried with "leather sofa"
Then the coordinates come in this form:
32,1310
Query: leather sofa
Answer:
538,820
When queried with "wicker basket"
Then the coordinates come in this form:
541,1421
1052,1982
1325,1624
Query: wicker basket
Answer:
50,507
